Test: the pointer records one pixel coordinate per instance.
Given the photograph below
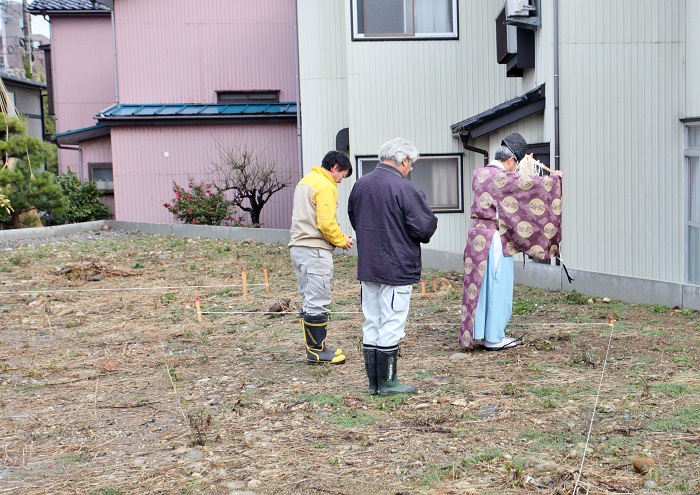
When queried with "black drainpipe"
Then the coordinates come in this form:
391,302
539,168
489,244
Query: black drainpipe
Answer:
475,150
555,35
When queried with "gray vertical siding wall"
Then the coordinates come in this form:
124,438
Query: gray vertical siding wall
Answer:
622,93
28,103
323,76
626,73
387,89
692,59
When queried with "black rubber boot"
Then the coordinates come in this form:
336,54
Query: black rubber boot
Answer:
318,319
315,328
387,383
370,353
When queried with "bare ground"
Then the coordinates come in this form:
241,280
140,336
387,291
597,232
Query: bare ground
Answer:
109,385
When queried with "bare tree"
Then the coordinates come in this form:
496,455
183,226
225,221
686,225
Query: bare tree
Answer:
250,175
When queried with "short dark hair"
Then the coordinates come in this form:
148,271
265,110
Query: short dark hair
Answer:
337,158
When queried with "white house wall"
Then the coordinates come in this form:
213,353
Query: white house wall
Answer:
323,76
692,59
624,85
621,66
387,89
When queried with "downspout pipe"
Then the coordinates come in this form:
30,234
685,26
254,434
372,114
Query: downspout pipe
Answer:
555,56
80,157
297,82
555,36
114,50
475,150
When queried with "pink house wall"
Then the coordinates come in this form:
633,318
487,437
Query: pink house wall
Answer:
98,151
148,159
83,75
180,51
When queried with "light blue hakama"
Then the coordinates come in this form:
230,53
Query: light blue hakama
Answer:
495,304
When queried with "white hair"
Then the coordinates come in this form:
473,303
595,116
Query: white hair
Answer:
503,153
397,150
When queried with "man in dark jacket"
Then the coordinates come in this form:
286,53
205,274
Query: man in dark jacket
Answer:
391,218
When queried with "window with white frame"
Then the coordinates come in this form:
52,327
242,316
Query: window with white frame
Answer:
438,176
404,19
692,159
101,173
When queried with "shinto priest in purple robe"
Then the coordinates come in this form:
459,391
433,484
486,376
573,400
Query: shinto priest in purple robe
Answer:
525,210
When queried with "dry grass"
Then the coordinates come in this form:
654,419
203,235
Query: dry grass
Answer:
112,387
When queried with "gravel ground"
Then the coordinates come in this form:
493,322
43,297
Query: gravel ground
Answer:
85,236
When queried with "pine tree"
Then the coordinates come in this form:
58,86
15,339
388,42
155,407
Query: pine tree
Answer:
22,180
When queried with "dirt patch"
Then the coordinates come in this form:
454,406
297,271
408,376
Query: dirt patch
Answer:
109,385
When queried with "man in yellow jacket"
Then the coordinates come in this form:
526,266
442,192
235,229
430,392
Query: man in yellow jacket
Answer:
314,234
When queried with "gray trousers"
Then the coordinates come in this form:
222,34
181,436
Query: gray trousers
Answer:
385,308
314,271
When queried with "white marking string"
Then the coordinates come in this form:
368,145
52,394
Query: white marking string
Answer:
274,312
595,406
185,287
557,324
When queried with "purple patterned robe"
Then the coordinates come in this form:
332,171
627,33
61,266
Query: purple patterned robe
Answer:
527,213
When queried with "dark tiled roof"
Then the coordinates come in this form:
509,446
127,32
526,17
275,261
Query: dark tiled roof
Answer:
23,81
52,6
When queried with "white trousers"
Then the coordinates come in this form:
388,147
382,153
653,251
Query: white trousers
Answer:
385,308
314,271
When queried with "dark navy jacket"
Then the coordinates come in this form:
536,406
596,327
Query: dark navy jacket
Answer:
391,218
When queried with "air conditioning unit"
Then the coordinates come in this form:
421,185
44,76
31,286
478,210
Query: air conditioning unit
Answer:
519,8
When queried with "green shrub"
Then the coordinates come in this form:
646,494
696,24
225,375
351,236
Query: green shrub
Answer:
84,203
199,204
29,189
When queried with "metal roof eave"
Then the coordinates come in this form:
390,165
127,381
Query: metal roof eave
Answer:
118,120
501,115
79,135
183,114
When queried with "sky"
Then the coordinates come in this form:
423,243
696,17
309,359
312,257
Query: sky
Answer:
41,26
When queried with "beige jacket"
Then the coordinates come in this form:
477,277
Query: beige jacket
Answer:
313,215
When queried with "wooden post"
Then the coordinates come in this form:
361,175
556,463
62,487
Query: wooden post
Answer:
199,309
267,280
244,279
434,284
422,287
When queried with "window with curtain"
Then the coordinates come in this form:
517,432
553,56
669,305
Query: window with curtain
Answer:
439,177
404,19
101,173
692,157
